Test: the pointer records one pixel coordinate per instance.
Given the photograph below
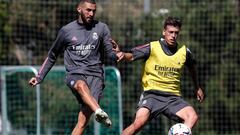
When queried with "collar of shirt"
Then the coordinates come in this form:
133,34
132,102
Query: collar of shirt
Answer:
166,48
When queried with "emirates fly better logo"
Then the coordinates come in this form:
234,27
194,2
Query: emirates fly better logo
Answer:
84,49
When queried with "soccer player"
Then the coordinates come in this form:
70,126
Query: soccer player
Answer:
84,41
164,61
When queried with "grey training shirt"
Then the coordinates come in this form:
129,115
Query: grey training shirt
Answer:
84,48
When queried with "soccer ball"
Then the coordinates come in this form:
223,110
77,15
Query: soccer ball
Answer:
179,129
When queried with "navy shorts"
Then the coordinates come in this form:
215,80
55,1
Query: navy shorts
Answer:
165,104
95,85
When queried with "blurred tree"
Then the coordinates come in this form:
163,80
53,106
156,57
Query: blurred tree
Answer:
6,55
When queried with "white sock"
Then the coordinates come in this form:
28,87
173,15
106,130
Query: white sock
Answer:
98,110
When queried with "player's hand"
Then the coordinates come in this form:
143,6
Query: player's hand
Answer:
200,95
33,81
115,46
120,56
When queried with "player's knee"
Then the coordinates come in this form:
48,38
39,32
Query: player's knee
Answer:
80,85
83,120
82,125
192,117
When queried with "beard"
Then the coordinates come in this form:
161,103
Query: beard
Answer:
86,20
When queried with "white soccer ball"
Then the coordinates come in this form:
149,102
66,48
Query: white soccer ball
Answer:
179,129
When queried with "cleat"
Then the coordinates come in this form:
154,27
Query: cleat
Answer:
102,117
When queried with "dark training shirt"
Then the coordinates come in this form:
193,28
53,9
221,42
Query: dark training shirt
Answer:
84,49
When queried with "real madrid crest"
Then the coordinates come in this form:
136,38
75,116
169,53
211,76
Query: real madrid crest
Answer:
95,36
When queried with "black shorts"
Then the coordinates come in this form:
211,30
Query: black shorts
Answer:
165,104
95,85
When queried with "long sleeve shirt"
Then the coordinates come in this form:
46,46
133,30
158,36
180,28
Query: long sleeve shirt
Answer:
84,47
143,52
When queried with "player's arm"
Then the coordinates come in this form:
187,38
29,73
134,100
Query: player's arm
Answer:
199,91
50,60
139,52
191,64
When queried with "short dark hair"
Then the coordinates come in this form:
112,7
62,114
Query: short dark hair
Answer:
89,1
172,21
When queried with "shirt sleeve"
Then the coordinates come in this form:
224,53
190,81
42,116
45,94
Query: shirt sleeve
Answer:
141,52
190,60
52,56
108,47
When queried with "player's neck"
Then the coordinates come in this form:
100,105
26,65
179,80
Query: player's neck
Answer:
80,21
170,46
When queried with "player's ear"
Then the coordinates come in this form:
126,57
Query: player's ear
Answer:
163,32
79,10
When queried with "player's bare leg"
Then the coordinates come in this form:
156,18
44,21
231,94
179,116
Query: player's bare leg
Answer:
141,118
188,115
85,94
83,118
